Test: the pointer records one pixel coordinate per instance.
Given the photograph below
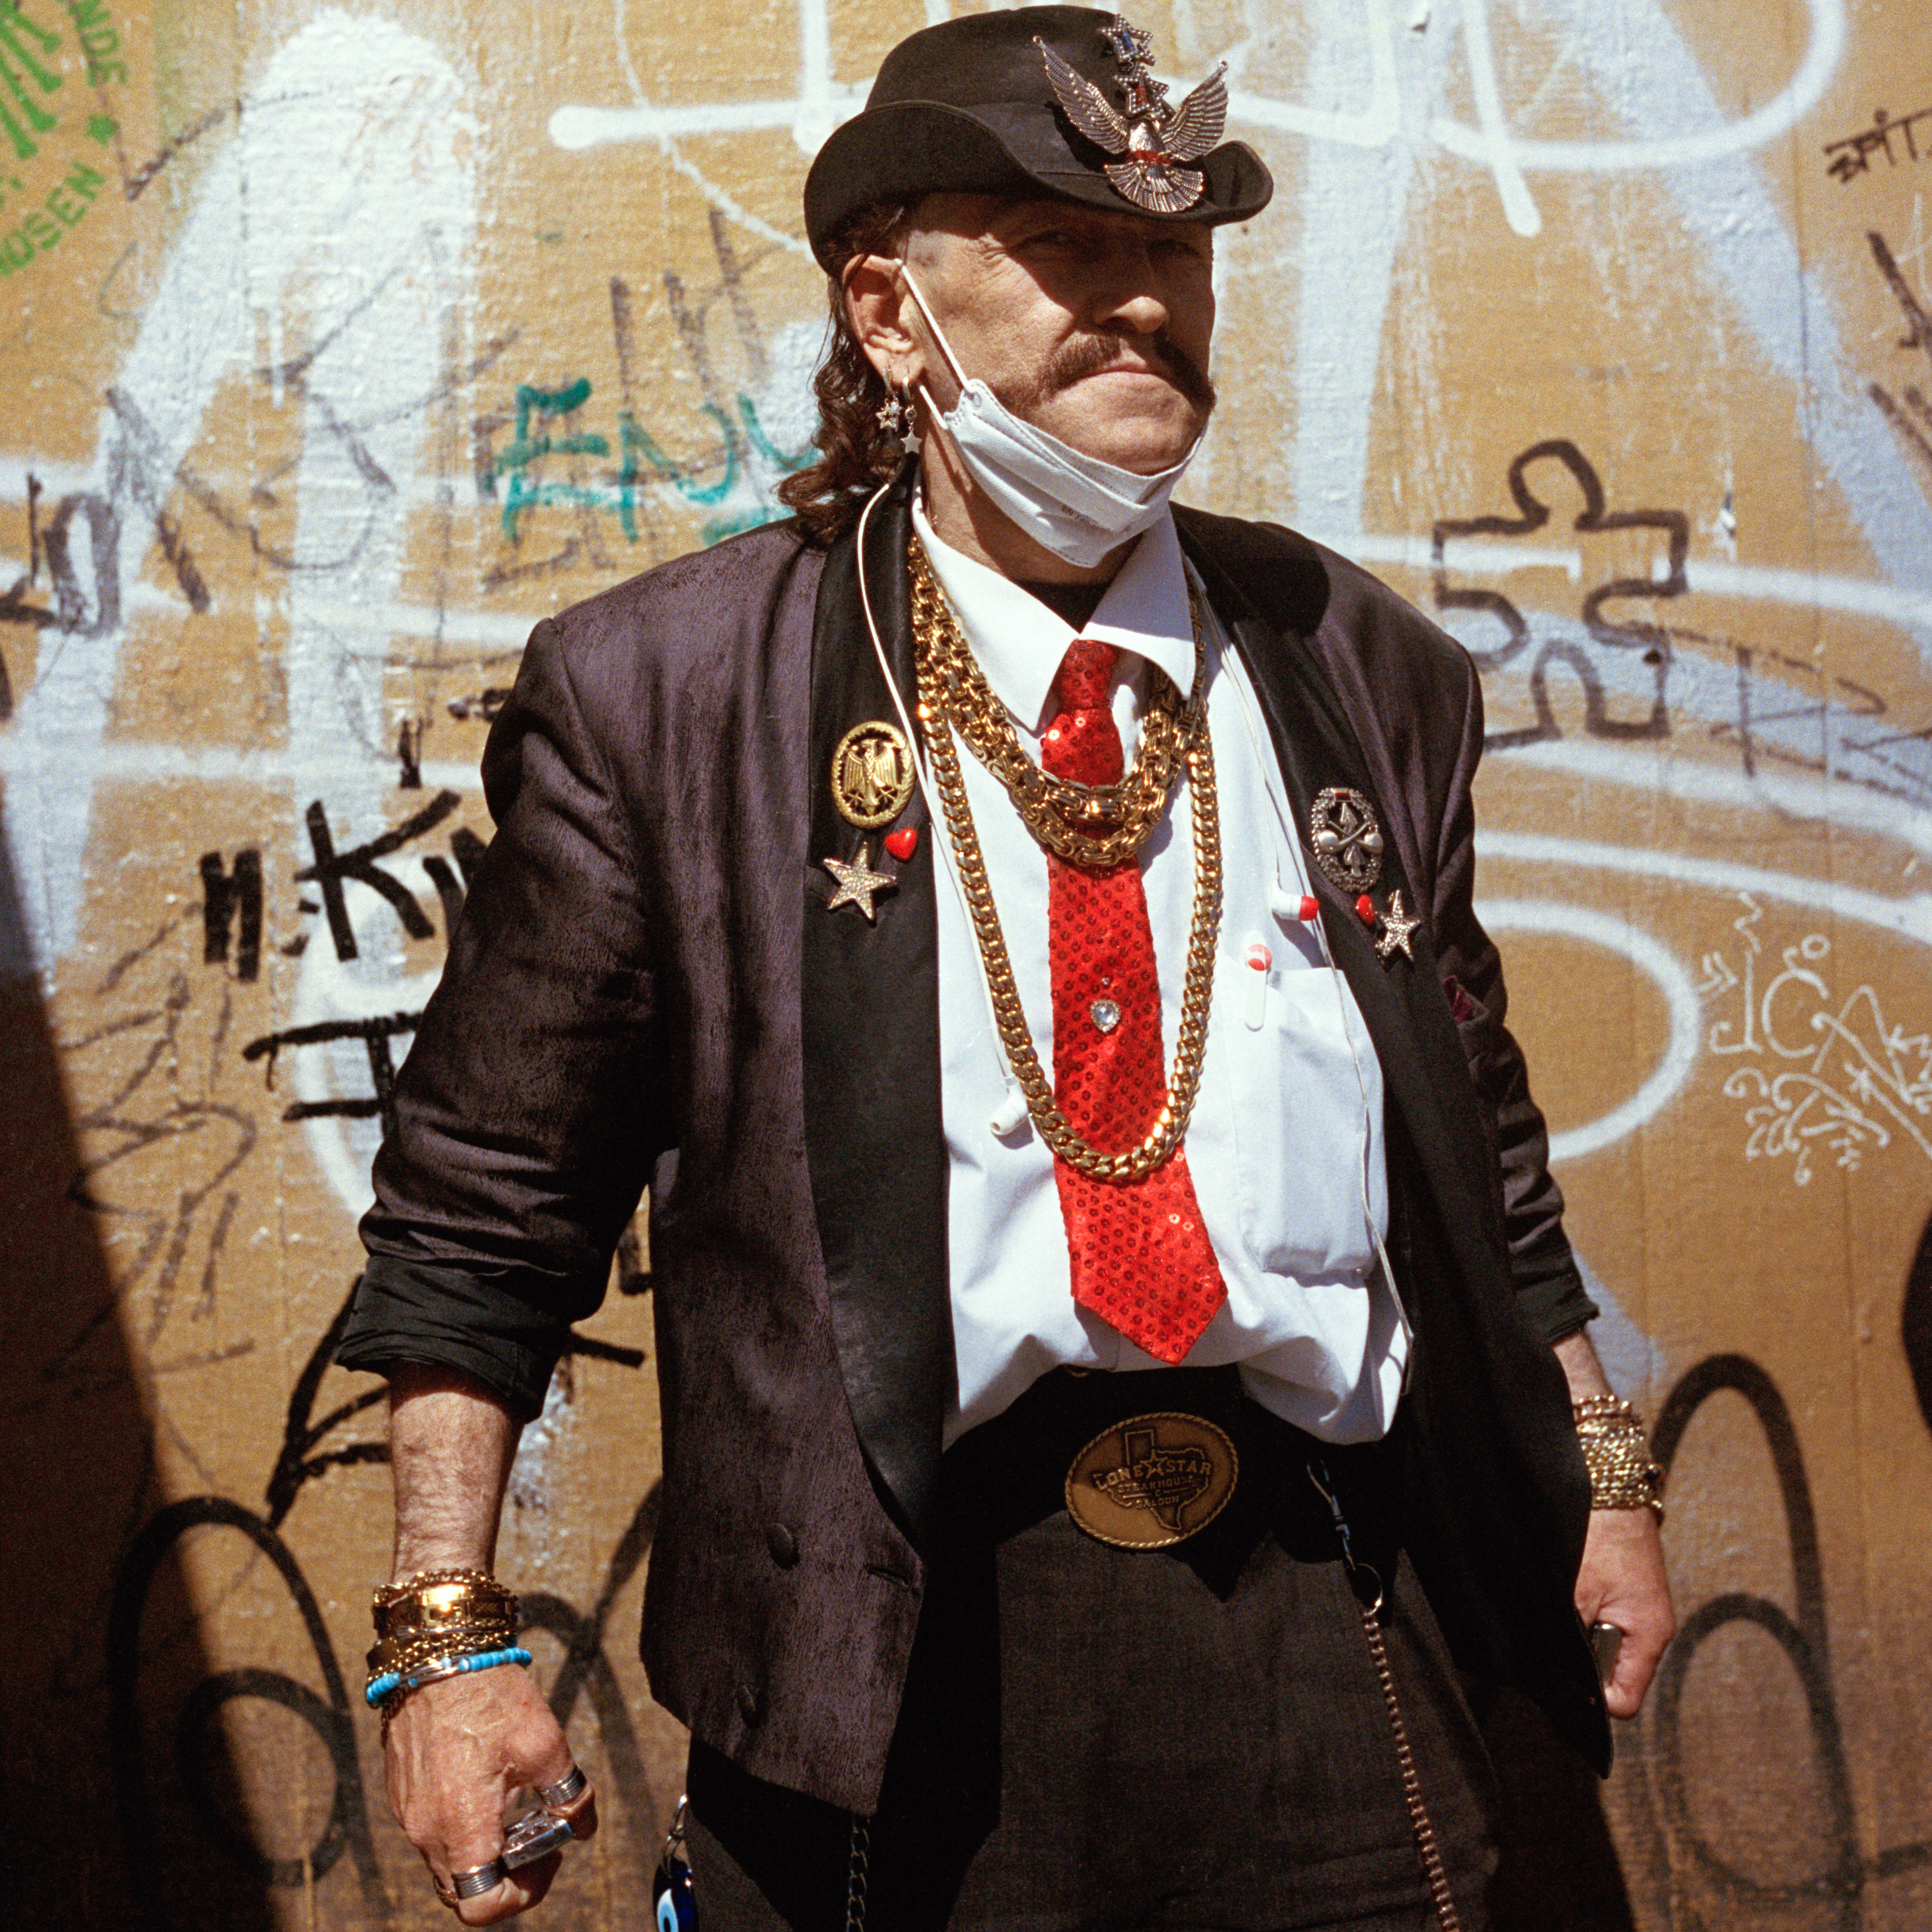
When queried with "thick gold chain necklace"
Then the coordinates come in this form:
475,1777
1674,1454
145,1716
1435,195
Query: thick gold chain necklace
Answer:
936,637
1094,825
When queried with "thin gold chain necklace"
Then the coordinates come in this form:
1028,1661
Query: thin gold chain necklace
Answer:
936,637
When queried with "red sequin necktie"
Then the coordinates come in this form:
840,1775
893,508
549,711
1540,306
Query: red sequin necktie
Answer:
1141,1257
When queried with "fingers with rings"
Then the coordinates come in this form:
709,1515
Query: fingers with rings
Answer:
478,1880
536,1835
558,1796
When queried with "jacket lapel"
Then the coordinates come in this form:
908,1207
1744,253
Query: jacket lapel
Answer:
875,1139
1401,999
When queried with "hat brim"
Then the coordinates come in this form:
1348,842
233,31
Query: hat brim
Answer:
910,148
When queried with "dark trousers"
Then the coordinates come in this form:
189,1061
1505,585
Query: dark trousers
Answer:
1101,1740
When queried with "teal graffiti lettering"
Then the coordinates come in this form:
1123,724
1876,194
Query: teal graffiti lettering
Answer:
643,465
527,449
637,442
15,251
18,67
790,464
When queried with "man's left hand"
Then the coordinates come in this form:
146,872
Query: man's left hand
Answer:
1622,1582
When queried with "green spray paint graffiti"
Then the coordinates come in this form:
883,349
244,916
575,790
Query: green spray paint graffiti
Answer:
47,183
727,484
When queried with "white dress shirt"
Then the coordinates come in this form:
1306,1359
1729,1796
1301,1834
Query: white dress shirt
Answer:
1285,1142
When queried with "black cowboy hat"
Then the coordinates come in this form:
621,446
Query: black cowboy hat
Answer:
973,106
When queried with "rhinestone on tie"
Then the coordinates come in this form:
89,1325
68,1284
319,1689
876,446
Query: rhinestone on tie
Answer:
1105,1015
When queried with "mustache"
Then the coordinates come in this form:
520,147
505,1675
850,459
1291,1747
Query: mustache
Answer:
1094,355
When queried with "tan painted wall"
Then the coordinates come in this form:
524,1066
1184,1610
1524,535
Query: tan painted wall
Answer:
339,342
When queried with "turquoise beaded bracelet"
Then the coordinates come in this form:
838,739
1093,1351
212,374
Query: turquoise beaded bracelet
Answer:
395,1684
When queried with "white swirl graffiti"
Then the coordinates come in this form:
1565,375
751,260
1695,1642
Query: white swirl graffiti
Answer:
1851,1080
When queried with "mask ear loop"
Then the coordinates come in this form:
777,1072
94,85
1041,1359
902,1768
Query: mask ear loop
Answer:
934,414
938,335
1013,1111
1288,910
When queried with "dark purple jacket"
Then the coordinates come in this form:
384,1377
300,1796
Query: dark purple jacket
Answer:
645,987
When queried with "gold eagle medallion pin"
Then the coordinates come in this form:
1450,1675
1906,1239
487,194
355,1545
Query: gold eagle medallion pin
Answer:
871,775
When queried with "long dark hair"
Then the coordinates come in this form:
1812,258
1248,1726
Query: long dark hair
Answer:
857,452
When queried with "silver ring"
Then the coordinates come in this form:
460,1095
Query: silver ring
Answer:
555,1797
480,1878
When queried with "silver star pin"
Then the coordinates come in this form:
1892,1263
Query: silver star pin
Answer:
1396,927
857,882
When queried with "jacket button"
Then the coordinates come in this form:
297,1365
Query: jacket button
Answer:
751,1704
782,1544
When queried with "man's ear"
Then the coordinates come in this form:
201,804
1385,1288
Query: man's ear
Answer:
875,306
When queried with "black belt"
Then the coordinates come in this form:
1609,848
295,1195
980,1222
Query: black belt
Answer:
1156,1457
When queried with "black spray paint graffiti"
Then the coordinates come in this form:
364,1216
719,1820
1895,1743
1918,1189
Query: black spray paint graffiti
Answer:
141,1122
1915,1323
329,871
331,868
1911,417
84,581
1852,155
225,895
375,1034
1773,708
1648,639
1801,1636
87,604
586,1670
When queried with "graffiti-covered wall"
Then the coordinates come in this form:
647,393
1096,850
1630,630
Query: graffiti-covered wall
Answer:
340,341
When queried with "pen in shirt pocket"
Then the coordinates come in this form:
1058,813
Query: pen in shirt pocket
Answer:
1257,961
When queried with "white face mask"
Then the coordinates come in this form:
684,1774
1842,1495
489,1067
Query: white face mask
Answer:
1075,505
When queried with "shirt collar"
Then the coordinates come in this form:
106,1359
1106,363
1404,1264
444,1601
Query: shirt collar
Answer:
1019,642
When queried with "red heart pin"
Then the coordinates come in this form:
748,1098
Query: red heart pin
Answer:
903,843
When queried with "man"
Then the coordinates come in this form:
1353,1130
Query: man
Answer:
1071,1479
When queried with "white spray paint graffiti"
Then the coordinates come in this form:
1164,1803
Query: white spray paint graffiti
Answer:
820,104
378,982
1908,917
357,129
1818,1073
1658,963
1359,174
1354,211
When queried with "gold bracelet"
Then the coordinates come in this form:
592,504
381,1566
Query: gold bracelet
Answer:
403,1650
1616,1452
442,1600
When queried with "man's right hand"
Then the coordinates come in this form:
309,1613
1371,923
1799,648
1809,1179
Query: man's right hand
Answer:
457,1753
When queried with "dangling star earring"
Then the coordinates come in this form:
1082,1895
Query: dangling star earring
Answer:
909,442
896,418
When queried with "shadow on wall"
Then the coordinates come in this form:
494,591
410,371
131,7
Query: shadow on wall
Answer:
76,1483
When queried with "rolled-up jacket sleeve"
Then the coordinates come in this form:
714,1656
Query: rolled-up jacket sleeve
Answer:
531,1105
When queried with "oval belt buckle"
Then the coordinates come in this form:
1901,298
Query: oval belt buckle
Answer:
1152,1480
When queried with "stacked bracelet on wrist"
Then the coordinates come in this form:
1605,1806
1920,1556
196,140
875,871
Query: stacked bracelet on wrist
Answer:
382,1692
1616,1452
440,1624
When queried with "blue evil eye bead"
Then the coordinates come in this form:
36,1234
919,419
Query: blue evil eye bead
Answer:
676,1907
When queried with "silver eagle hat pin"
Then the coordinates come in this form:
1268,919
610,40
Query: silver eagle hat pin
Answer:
1155,138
